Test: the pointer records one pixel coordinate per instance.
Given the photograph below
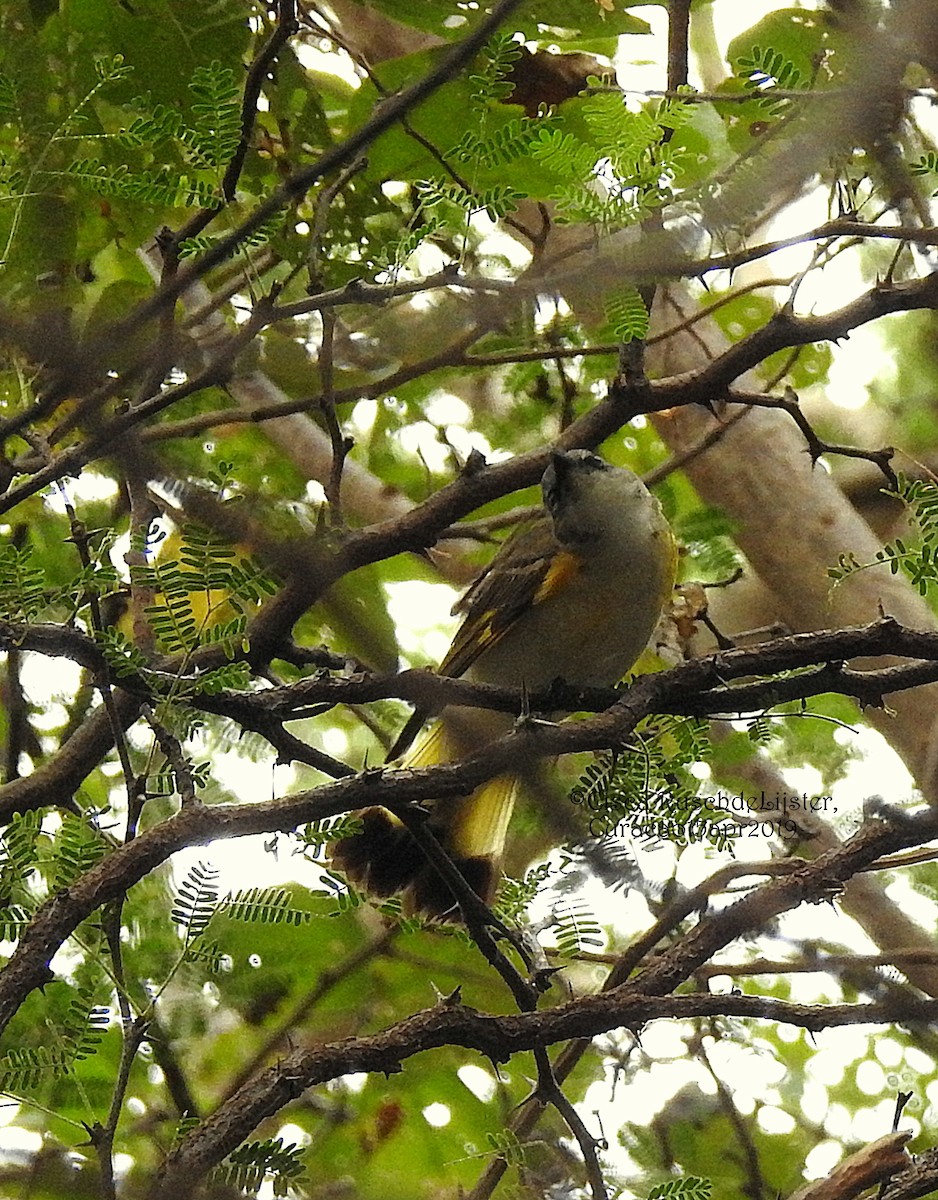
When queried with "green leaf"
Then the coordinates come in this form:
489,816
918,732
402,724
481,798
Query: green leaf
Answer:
626,315
22,584
248,1167
196,900
217,132
77,846
691,1187
786,45
157,188
269,906
576,929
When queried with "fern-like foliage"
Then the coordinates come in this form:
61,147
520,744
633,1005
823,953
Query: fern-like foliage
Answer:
196,900
233,676
36,159
926,165
621,130
172,620
614,170
212,139
506,1145
575,928
13,920
268,906
22,1070
25,593
84,1025
618,174
446,203
394,254
705,536
209,955
561,153
22,584
496,201
501,146
18,854
77,1037
766,68
190,247
181,719
204,592
514,895
916,556
98,577
183,1127
760,731
336,888
78,151
315,836
222,567
626,315
215,136
120,654
76,847
250,1166
632,140
768,71
691,1187
161,783
647,791
161,188
165,782
490,81
158,124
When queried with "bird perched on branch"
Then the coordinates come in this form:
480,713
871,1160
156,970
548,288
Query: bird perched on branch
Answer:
576,597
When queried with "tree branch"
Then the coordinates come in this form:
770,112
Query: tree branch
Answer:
497,1038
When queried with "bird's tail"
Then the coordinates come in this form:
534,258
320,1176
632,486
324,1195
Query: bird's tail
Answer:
383,859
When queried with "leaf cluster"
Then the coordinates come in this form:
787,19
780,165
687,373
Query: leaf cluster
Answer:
204,590
917,555
647,789
83,1024
271,1162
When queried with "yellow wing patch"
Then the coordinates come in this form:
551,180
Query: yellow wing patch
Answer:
563,568
484,633
512,585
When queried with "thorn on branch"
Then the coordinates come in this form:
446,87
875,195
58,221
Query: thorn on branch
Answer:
543,978
474,464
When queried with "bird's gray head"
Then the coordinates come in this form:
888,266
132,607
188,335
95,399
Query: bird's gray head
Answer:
588,498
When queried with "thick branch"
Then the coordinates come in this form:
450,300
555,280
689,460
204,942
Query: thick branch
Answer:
702,687
62,913
498,1038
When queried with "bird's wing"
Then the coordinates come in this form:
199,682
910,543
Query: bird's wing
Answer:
529,568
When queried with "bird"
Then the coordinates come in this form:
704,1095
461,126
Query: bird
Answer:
185,608
576,596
